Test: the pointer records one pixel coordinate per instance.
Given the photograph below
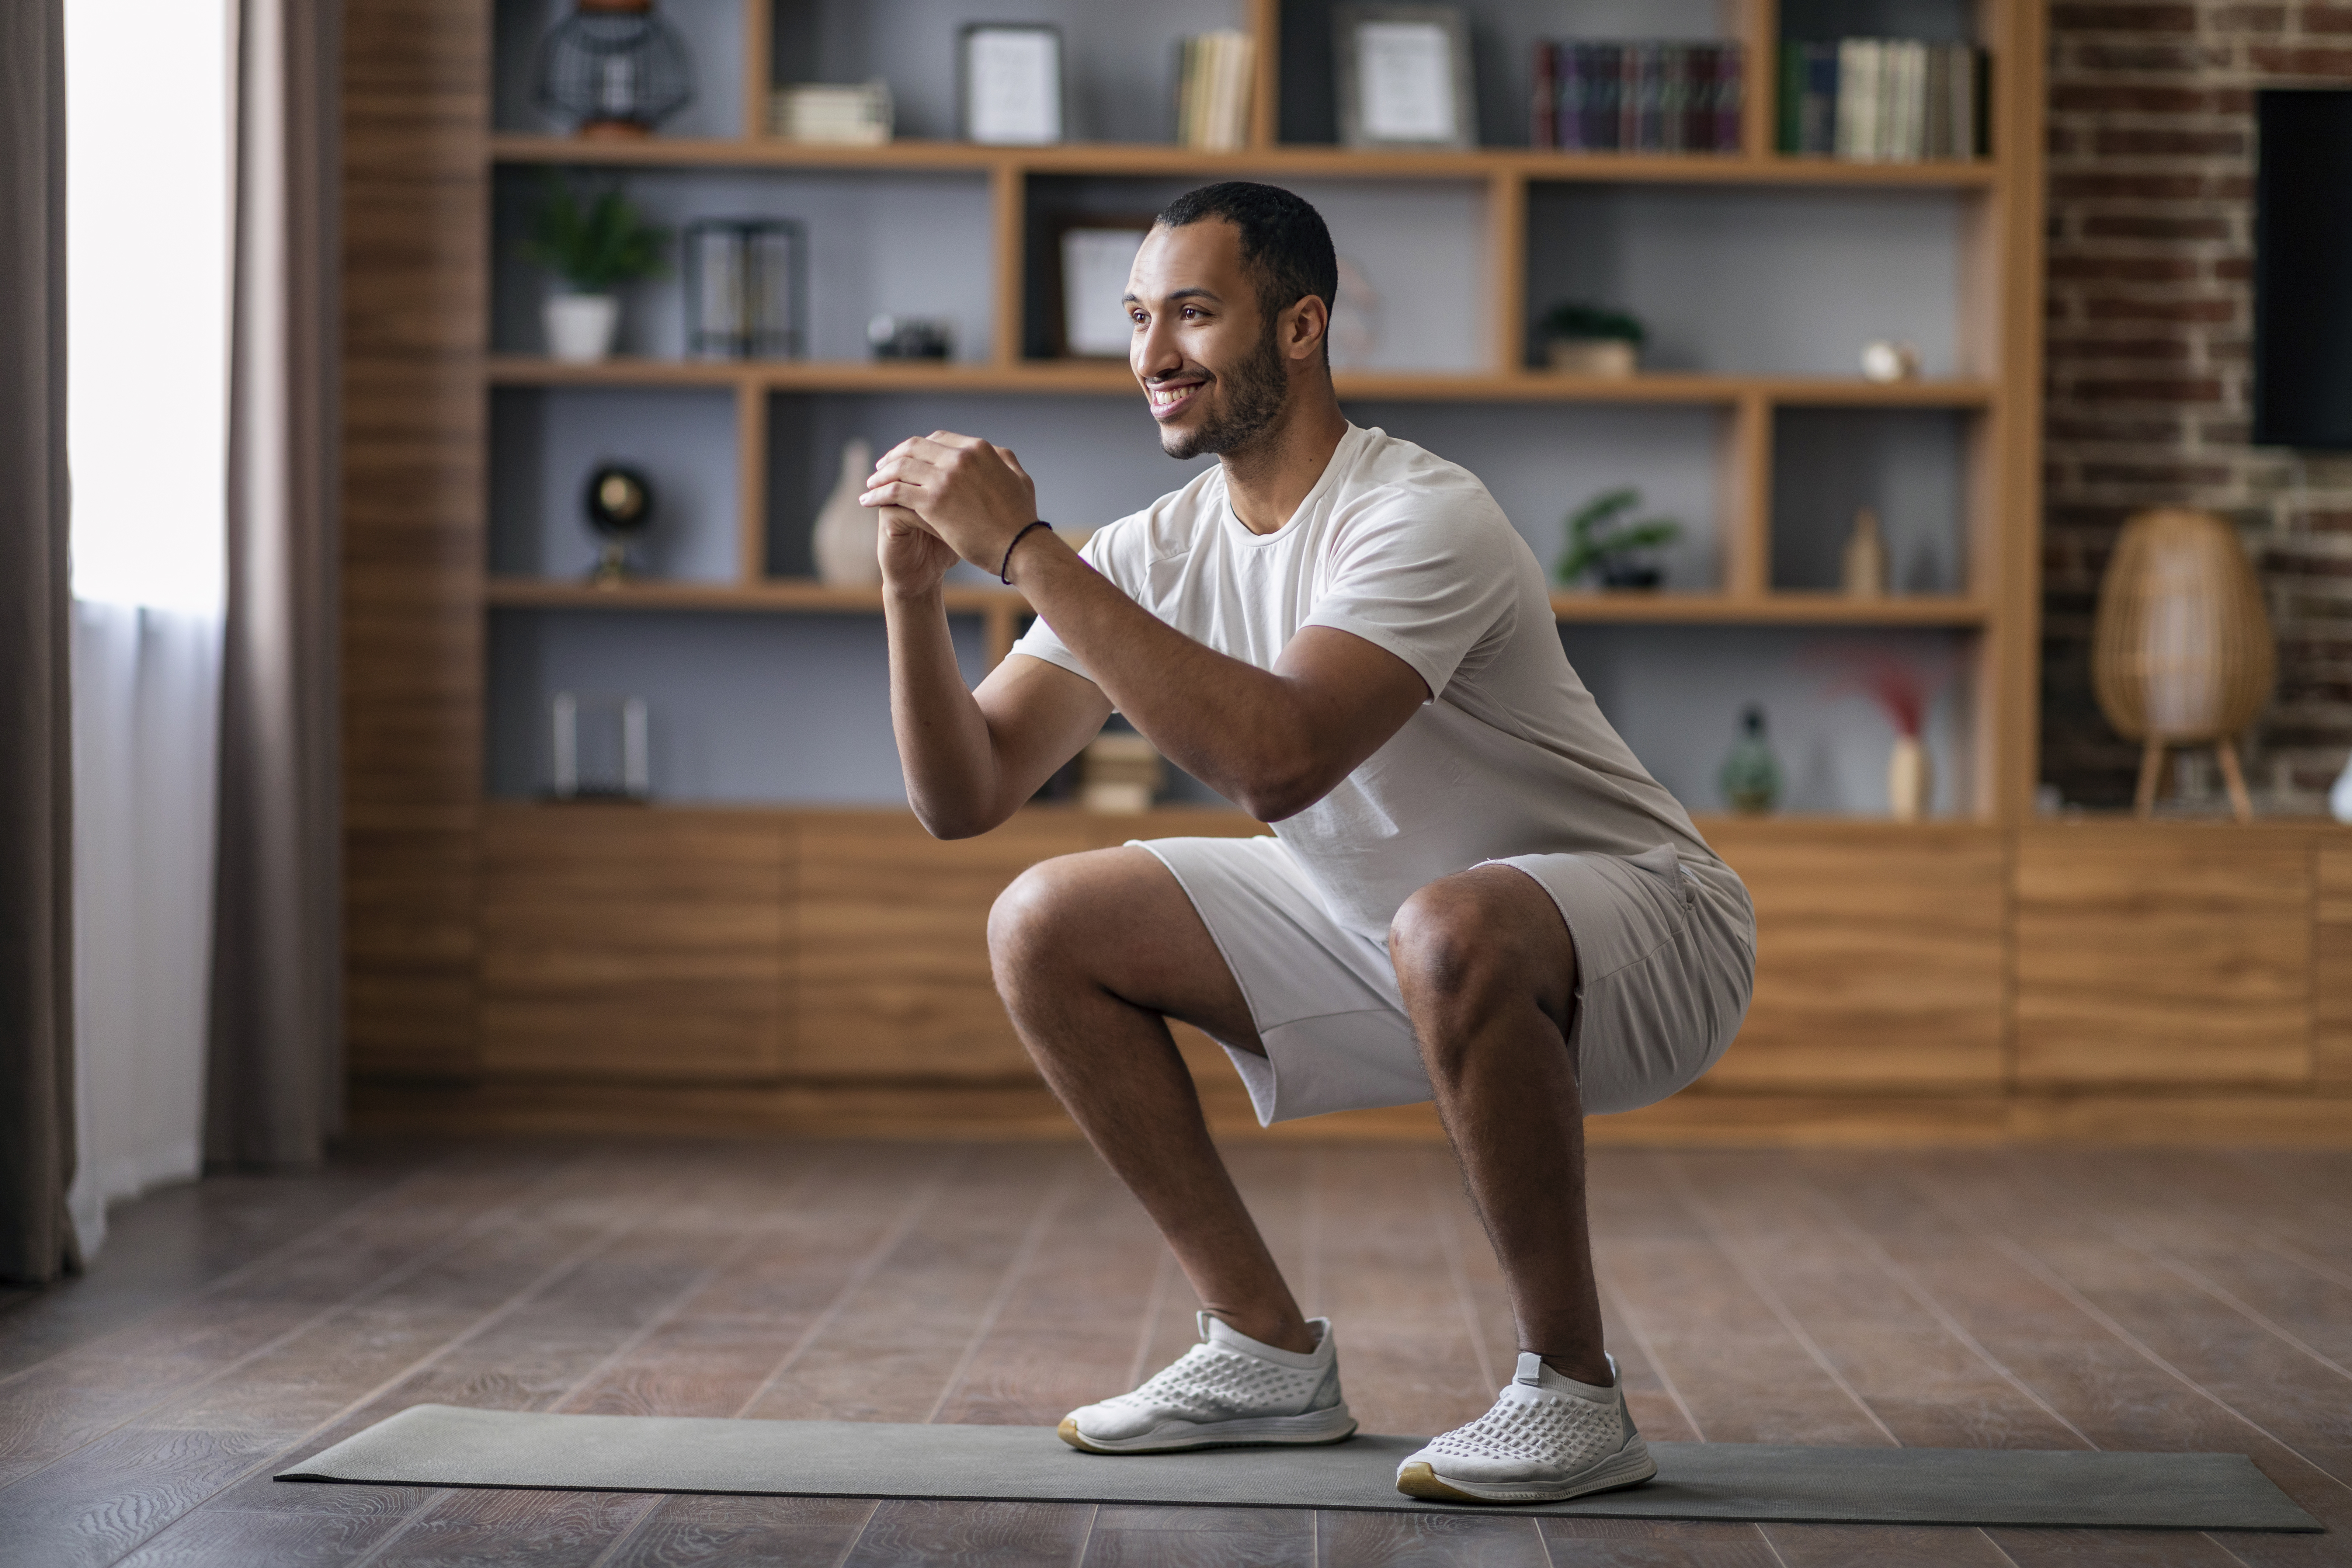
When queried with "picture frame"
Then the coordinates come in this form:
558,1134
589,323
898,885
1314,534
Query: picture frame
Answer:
1405,76
1011,87
1086,249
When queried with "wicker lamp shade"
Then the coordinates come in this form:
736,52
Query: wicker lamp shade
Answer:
2181,652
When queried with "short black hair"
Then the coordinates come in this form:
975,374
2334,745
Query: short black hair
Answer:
1283,240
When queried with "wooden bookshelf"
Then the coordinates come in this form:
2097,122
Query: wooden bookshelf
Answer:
495,943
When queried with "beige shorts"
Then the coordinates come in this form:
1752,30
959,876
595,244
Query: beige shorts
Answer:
1666,963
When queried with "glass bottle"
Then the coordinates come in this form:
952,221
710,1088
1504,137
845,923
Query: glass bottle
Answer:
1751,773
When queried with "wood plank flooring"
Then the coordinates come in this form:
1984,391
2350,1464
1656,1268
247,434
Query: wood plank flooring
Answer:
2023,1299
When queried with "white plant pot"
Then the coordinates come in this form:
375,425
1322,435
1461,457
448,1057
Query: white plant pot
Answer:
579,327
1591,356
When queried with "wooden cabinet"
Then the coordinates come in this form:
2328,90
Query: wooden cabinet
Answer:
1879,955
2172,953
890,943
2331,966
673,966
622,943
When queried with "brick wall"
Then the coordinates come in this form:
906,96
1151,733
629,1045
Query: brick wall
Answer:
2151,164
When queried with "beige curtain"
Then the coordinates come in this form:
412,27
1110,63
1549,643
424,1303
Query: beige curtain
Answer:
37,1110
274,1078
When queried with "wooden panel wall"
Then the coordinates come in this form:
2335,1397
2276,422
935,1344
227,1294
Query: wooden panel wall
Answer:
415,108
1879,955
2177,957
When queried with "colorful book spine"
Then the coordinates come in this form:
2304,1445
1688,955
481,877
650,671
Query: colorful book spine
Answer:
1641,96
1543,97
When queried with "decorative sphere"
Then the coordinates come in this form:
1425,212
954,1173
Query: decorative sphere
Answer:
620,501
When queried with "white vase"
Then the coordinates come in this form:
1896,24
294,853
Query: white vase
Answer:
846,541
579,327
2339,795
1909,779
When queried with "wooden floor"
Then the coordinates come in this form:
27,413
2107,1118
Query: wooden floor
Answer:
2044,1299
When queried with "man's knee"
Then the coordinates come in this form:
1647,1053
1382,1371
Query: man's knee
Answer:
1032,920
1439,942
1468,945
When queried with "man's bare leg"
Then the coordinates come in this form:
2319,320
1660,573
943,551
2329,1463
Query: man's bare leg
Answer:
1489,975
1092,953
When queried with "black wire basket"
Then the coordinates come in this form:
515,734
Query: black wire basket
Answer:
614,68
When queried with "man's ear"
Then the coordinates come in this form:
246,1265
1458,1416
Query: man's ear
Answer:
1305,326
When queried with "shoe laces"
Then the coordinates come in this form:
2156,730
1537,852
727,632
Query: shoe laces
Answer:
1531,1424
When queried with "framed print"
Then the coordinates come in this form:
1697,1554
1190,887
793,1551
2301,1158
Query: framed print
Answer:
1405,76
1095,256
1010,74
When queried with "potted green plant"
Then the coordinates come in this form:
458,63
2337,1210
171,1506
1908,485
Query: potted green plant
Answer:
1604,545
592,241
1590,340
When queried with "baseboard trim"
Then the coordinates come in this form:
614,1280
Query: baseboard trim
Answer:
1016,1110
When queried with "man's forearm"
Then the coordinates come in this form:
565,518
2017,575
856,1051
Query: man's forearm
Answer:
1236,728
944,745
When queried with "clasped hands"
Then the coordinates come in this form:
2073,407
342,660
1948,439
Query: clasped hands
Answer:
942,496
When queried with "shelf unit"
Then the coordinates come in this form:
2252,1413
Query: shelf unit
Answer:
518,966
1992,390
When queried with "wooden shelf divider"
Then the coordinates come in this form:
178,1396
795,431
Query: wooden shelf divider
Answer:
1110,378
1153,160
793,595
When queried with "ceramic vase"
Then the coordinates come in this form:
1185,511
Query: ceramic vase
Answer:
848,538
1865,572
1909,779
579,327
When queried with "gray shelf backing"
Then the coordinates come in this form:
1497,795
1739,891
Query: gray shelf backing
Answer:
741,708
905,243
1755,282
544,443
1910,465
1676,694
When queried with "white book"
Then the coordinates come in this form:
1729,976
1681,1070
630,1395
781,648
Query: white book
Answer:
1908,140
1220,92
1857,98
1241,75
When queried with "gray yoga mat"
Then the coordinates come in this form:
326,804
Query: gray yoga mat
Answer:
443,1446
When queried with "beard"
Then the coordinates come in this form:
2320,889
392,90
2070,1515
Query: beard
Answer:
1256,391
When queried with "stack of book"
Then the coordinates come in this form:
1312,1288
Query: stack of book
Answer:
1213,91
855,116
1882,99
1642,97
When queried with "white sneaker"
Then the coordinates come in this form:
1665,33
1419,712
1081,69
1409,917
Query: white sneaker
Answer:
1547,1437
1228,1389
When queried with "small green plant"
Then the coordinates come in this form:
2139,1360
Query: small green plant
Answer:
1601,541
592,240
1570,319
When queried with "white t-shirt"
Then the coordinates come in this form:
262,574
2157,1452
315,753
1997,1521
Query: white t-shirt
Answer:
1407,550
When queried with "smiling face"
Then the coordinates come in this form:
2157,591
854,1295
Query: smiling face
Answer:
1211,363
